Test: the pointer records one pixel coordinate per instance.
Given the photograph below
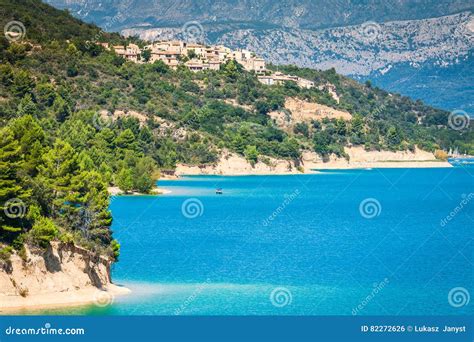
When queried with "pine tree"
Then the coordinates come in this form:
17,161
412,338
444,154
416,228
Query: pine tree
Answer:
231,70
13,194
43,231
393,138
22,83
125,180
142,175
126,140
27,106
45,95
59,166
60,109
87,206
85,162
31,138
357,125
106,171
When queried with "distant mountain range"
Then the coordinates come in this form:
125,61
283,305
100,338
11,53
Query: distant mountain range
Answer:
420,48
303,14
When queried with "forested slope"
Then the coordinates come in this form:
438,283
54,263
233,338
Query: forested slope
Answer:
75,119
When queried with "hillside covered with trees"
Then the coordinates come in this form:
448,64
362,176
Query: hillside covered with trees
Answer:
59,150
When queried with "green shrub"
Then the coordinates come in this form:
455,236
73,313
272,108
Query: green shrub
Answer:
6,253
18,242
251,154
44,231
66,237
22,253
115,245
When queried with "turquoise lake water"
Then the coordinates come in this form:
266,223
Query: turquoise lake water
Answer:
366,242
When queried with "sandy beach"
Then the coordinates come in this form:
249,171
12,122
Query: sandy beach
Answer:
91,295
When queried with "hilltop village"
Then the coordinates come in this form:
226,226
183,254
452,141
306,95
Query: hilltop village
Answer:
198,57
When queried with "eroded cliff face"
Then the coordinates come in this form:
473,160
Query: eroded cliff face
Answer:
62,268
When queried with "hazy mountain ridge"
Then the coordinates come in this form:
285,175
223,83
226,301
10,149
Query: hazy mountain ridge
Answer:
353,51
306,14
448,87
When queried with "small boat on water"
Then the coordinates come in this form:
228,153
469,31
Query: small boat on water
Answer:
219,191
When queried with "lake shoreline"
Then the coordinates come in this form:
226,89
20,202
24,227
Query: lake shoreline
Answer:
313,169
58,300
232,164
115,191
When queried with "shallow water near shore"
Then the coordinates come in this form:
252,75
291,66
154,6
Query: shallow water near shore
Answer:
365,242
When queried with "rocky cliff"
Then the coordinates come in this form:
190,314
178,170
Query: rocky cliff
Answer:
61,274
